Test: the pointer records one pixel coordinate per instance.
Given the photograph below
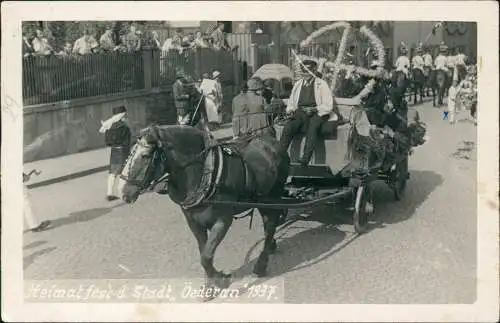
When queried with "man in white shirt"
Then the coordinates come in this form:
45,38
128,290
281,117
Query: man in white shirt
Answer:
440,63
427,58
106,40
417,60
310,104
403,62
85,44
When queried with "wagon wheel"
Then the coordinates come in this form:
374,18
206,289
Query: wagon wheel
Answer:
400,178
363,208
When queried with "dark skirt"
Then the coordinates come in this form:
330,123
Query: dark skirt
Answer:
117,159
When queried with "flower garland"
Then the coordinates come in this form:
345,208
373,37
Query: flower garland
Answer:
333,68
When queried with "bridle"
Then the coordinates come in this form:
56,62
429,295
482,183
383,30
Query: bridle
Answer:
158,157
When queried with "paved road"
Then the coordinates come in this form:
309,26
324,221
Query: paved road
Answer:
420,250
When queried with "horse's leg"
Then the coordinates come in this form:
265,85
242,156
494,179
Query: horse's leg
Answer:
200,233
421,88
415,90
270,220
433,96
215,237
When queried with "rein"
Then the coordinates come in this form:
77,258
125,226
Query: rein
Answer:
160,153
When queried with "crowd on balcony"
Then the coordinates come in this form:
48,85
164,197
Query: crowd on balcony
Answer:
40,44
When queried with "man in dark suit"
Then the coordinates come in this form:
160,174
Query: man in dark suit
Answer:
181,98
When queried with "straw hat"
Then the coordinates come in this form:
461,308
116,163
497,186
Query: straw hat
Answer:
255,84
215,74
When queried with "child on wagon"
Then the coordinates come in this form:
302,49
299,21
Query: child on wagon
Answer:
117,135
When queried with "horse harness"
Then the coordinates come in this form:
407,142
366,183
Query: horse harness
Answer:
214,170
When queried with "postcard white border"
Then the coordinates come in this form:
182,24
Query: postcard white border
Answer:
485,13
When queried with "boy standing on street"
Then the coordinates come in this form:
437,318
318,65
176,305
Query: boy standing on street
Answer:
117,136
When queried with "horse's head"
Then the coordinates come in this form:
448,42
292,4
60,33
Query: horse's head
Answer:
159,151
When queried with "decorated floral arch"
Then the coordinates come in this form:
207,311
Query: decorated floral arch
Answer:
356,35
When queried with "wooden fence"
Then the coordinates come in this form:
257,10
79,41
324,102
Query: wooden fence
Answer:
52,78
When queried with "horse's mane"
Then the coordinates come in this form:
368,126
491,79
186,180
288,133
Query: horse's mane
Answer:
185,139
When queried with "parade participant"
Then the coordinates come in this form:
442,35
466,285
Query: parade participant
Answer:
311,103
117,136
450,60
376,100
249,116
427,66
440,62
452,102
268,94
210,89
180,96
239,108
218,95
418,61
427,59
402,62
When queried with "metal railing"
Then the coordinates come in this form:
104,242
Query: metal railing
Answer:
55,78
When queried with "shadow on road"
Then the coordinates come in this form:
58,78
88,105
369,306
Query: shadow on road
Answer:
82,216
29,260
314,245
420,185
34,245
294,251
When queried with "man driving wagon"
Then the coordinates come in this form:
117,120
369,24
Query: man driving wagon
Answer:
310,106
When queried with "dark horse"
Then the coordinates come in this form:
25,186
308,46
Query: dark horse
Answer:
419,81
199,170
399,85
439,84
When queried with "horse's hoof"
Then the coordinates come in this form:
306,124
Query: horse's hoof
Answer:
222,280
259,271
259,274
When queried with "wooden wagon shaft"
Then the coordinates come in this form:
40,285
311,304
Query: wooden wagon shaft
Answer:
284,203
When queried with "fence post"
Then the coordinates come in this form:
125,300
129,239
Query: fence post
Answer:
236,70
254,57
147,56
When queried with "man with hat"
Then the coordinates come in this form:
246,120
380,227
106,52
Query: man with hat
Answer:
181,98
418,61
403,62
440,63
310,104
249,117
117,135
427,58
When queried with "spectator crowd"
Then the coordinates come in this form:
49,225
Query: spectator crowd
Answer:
40,43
